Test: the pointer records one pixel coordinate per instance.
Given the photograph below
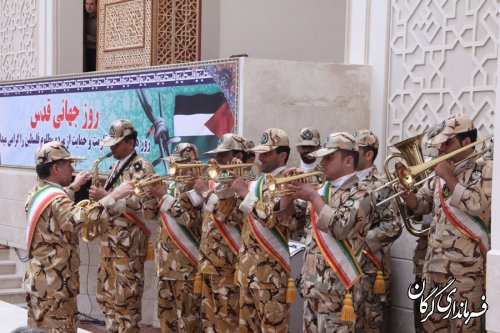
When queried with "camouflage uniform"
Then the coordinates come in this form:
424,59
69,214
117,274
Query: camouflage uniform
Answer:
308,137
384,229
178,305
347,218
52,281
450,253
120,275
443,260
263,281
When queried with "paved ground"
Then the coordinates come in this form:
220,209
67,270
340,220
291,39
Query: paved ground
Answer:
102,329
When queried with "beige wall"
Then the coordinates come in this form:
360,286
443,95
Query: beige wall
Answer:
283,29
291,95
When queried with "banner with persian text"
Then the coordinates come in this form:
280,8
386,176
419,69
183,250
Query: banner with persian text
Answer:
193,102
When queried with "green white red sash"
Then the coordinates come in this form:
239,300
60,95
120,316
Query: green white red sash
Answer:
376,258
271,240
231,234
469,225
181,236
40,201
139,220
337,253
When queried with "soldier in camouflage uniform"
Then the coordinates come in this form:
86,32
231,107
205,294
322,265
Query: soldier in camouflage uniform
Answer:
309,141
220,241
340,215
176,267
384,229
460,199
54,223
263,277
120,276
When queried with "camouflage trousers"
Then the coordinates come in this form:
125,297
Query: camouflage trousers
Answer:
369,309
322,314
52,315
178,306
468,288
264,310
220,304
120,284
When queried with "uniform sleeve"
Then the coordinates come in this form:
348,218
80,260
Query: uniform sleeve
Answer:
474,197
147,205
425,198
184,212
72,216
384,226
339,221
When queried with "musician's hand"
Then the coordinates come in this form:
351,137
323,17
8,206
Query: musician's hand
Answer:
240,187
80,179
97,193
445,169
408,197
158,189
303,191
292,171
124,190
200,186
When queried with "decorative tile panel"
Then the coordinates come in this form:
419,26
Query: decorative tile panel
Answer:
178,32
443,60
124,34
18,32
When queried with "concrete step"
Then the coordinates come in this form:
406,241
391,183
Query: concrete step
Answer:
10,281
7,267
4,254
13,295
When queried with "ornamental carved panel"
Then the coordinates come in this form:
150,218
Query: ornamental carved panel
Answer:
124,34
443,60
137,33
179,26
18,32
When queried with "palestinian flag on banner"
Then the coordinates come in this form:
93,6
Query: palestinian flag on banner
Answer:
201,119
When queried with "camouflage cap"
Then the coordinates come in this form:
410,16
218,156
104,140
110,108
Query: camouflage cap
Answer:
228,142
249,144
309,136
118,130
53,151
336,141
184,152
366,138
271,139
450,127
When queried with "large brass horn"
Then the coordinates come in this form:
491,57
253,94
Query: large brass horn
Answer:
91,230
413,175
411,152
406,175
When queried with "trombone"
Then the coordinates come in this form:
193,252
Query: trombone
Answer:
214,170
406,175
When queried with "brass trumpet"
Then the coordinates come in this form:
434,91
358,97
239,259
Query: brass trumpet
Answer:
214,170
275,185
174,167
140,186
